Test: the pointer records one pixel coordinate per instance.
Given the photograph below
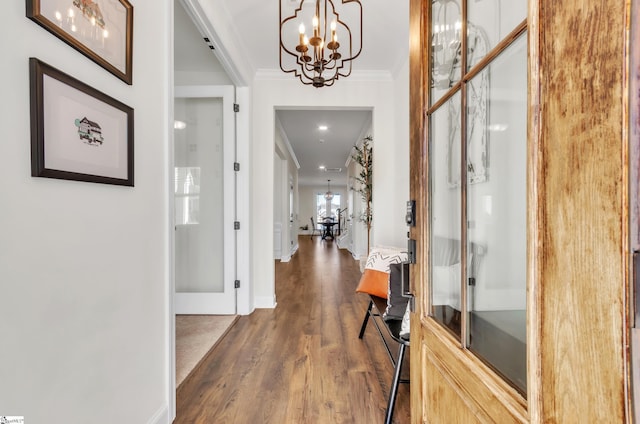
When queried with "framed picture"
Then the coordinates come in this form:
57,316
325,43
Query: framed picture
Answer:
102,30
77,132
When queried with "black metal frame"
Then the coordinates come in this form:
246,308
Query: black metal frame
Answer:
393,330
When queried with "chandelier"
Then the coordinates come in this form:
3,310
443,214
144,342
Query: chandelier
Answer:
319,59
446,43
329,194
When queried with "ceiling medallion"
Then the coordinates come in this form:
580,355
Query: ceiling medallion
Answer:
319,59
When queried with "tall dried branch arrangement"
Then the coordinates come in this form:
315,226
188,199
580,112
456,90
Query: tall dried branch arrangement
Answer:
363,157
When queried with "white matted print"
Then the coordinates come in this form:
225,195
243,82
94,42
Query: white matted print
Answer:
77,132
100,29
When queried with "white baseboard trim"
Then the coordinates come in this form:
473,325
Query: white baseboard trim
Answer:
161,416
285,258
265,302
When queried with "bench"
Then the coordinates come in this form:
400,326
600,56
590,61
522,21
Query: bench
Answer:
391,328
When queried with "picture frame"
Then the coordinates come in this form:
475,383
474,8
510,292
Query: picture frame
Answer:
77,132
102,30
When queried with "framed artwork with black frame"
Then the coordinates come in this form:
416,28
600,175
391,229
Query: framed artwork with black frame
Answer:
77,132
102,30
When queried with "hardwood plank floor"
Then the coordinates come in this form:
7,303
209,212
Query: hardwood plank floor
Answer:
301,362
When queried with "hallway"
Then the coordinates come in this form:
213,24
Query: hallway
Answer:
301,362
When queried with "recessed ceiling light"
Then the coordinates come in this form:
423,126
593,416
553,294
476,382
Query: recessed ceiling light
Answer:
179,125
321,140
321,167
322,127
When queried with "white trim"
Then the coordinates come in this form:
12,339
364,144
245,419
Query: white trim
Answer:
244,294
221,50
265,302
202,304
285,139
161,416
170,319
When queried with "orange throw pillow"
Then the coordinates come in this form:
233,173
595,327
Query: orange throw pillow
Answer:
374,282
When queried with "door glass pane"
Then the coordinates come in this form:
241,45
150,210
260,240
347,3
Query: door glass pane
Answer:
199,202
446,214
496,213
446,30
490,21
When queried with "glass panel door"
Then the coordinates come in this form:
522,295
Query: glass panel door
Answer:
446,211
496,214
204,206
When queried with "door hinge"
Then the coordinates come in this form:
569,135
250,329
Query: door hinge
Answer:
236,166
236,107
236,284
236,225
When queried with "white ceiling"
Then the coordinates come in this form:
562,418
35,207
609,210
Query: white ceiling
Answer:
330,148
385,48
385,31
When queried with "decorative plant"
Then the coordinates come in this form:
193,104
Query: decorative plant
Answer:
363,157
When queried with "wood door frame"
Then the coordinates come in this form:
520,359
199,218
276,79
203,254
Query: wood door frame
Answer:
577,192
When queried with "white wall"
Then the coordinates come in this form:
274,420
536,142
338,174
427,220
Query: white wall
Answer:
288,176
398,169
270,93
83,266
278,222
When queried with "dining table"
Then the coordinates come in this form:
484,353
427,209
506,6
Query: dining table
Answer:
327,229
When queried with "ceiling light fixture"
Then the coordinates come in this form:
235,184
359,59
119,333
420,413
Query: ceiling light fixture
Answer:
322,127
328,195
318,60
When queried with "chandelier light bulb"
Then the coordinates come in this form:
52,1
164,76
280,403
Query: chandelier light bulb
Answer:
301,29
315,22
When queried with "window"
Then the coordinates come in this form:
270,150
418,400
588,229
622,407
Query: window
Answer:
187,195
477,186
323,205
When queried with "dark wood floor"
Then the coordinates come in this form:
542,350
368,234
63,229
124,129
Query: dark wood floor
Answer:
301,362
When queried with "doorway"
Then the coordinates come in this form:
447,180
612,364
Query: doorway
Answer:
204,193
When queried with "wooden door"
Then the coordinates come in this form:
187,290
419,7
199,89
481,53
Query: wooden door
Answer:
577,247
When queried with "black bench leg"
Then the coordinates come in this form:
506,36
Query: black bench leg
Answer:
394,386
366,319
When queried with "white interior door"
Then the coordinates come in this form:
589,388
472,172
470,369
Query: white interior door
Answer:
205,245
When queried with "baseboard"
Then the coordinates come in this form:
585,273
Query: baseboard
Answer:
265,302
161,416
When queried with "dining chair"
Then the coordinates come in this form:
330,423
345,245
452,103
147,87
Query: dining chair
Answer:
314,228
